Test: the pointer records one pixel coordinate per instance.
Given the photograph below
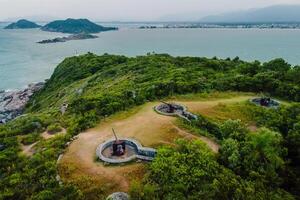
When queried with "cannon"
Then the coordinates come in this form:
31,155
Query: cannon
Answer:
171,108
119,146
265,101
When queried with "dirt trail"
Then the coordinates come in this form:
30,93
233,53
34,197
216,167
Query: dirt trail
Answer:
148,127
28,150
46,135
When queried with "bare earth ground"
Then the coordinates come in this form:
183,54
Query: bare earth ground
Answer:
146,126
28,150
47,135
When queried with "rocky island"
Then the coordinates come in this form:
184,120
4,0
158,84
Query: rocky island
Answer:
81,36
75,26
12,103
22,24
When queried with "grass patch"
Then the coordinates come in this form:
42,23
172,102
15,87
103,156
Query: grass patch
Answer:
194,130
223,112
209,96
30,138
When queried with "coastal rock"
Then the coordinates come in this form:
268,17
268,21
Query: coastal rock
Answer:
12,103
118,196
2,147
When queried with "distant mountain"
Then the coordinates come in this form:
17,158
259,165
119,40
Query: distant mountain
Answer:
278,13
75,26
22,24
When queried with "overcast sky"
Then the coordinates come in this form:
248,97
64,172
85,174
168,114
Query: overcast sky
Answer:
127,10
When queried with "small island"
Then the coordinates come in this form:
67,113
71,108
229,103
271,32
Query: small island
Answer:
22,24
75,26
81,36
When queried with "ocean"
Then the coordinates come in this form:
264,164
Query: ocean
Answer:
23,61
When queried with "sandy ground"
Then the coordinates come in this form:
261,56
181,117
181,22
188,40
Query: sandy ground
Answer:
149,128
146,126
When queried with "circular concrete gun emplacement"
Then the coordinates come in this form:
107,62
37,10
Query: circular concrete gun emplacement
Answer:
265,102
175,109
116,151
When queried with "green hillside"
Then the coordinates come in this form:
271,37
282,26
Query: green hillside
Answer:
75,26
22,24
95,87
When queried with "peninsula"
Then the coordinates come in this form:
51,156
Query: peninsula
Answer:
22,24
75,26
229,140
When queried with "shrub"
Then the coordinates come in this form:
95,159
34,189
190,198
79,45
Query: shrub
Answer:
54,128
30,138
233,129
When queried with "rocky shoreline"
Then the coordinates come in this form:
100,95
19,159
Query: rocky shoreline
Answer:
82,36
12,103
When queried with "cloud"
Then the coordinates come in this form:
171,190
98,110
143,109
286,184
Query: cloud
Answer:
124,10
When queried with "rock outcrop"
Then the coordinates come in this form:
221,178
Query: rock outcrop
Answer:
2,147
81,36
118,196
12,103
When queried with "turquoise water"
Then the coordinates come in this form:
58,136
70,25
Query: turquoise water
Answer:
23,61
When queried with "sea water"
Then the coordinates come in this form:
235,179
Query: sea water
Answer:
23,61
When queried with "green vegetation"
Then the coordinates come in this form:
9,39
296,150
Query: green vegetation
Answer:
54,128
22,24
250,165
75,26
30,138
260,165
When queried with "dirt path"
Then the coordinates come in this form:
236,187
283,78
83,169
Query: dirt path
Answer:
28,150
146,126
47,135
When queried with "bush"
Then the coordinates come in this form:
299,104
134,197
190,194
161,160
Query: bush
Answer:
30,138
207,125
234,129
54,128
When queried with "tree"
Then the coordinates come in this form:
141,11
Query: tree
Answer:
186,171
233,129
263,156
230,154
277,65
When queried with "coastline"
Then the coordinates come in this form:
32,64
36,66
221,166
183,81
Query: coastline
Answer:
13,102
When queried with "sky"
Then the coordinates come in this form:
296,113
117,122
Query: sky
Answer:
127,10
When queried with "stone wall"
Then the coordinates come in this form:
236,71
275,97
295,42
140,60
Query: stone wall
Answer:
273,103
143,153
182,113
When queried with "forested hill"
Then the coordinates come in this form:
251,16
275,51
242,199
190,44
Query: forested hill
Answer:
95,87
22,24
75,26
155,76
